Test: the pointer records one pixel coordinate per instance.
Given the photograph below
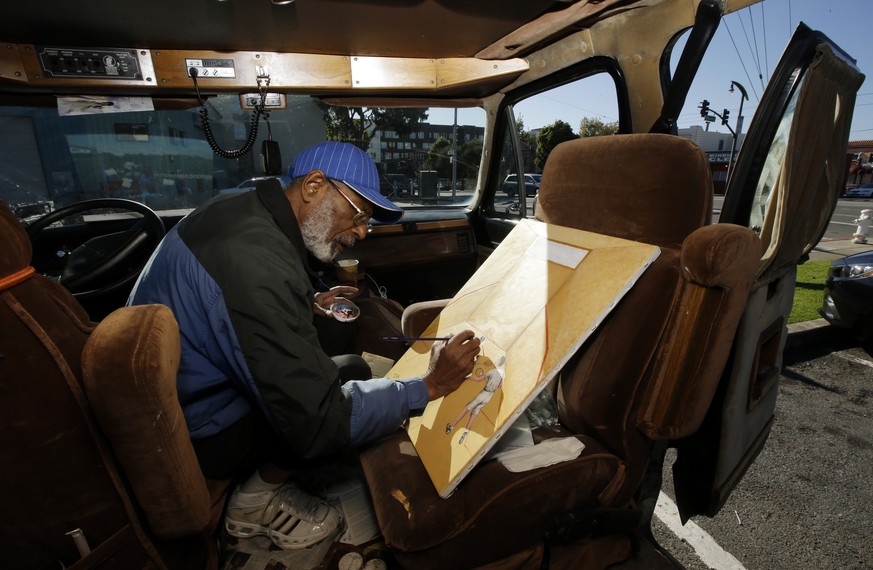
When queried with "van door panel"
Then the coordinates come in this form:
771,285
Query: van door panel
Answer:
770,176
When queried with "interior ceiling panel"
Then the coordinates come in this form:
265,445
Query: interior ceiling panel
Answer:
407,28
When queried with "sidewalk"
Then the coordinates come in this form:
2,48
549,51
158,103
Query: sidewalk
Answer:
837,248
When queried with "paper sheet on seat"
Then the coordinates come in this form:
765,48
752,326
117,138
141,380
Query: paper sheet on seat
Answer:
543,454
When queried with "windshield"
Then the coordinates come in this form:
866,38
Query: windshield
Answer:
80,150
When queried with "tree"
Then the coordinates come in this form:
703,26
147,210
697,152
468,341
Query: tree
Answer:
523,135
551,136
589,127
349,124
438,157
403,120
357,124
469,156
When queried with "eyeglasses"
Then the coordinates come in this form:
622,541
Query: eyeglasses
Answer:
361,217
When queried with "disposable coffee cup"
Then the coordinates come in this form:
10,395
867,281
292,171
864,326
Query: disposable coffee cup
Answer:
347,270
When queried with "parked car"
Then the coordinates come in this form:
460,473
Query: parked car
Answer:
862,191
848,298
531,184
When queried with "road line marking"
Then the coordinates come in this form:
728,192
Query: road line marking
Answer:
854,359
706,548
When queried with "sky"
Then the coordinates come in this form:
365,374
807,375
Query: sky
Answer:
745,49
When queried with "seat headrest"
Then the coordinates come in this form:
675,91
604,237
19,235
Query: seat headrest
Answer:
652,188
16,251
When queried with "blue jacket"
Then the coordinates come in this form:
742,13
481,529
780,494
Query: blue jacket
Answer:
235,274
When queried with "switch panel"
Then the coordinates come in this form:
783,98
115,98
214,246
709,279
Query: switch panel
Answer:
96,63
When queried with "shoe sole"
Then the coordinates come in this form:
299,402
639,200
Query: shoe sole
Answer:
244,530
300,545
248,530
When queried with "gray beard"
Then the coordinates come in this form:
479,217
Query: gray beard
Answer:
314,229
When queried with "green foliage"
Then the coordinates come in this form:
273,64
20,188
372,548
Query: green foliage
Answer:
551,136
809,290
348,124
438,157
523,135
469,156
357,124
590,127
403,120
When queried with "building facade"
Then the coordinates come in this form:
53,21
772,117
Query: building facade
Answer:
717,147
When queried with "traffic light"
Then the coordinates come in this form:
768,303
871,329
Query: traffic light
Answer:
704,108
725,115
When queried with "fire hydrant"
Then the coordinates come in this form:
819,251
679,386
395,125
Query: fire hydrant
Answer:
860,235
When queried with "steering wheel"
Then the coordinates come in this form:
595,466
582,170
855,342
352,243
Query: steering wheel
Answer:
109,262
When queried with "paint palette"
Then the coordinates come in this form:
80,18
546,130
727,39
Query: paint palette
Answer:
345,311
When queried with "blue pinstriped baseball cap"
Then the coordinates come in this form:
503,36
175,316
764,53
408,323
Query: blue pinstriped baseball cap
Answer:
350,165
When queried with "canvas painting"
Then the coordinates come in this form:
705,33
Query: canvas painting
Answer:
533,303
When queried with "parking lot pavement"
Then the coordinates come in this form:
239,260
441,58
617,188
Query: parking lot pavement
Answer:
805,501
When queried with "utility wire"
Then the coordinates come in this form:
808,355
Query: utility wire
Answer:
578,107
764,31
728,28
756,58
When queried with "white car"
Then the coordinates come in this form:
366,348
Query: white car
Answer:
862,191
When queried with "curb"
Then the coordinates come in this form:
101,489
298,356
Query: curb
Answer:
807,332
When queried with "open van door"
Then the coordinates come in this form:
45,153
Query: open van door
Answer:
785,186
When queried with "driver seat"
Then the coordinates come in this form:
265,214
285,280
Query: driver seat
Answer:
94,445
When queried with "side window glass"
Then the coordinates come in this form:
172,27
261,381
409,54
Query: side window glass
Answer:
772,168
506,199
585,107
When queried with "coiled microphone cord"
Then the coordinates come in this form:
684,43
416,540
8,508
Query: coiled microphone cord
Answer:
253,129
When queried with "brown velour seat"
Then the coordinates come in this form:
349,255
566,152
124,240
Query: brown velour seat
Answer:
93,443
646,377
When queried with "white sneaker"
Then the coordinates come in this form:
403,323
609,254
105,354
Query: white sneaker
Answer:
291,518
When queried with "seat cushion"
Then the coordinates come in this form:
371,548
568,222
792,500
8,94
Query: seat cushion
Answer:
663,197
129,366
460,531
16,251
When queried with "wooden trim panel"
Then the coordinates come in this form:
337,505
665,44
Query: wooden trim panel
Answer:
411,249
168,69
410,227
